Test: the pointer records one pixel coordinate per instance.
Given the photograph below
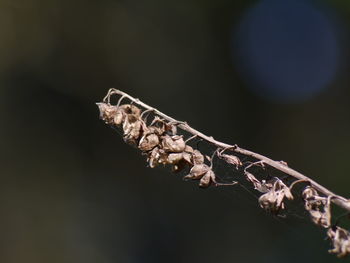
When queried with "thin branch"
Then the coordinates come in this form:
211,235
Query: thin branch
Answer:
336,199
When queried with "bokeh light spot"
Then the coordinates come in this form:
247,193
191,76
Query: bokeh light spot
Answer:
286,50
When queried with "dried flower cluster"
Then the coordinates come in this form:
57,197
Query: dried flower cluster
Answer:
162,144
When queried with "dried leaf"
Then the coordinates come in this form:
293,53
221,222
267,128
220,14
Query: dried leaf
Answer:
341,241
273,200
318,207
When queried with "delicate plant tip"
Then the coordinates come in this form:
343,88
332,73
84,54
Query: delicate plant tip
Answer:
317,206
273,200
161,143
340,239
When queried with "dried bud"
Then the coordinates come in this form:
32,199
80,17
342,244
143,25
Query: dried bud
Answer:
262,186
173,144
273,200
231,159
197,171
341,241
207,179
148,142
318,207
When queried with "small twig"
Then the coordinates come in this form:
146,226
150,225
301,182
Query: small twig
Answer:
296,182
336,199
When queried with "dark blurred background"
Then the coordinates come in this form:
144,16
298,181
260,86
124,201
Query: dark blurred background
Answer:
271,76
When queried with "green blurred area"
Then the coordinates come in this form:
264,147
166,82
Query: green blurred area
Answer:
72,191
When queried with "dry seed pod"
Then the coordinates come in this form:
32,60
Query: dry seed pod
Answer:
131,110
125,110
179,160
317,206
341,241
148,142
188,149
231,159
174,158
207,179
187,157
273,200
262,186
119,118
153,157
173,144
197,157
164,126
197,171
153,129
107,112
132,129
156,157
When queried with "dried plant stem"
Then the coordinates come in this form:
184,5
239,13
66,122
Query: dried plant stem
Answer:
281,166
